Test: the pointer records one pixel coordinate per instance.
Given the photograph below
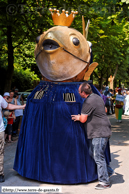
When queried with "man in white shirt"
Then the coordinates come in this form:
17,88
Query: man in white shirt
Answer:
4,105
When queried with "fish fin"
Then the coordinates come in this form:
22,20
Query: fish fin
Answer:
90,70
86,29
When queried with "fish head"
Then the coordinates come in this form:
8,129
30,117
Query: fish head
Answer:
62,53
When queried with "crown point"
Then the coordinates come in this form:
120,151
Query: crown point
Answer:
58,12
67,14
62,19
50,9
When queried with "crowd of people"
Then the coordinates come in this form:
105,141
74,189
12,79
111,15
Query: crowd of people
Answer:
8,114
12,119
116,101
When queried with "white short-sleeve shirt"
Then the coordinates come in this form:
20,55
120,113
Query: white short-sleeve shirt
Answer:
3,104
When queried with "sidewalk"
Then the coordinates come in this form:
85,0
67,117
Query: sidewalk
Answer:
120,163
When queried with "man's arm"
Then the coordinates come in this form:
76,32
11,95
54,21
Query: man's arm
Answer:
82,118
14,107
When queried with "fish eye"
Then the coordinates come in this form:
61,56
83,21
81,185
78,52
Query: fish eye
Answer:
76,42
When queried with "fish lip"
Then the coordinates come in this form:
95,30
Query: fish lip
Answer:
50,45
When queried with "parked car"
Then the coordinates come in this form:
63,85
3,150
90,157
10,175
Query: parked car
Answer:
25,95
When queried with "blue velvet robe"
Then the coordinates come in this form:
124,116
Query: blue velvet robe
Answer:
52,147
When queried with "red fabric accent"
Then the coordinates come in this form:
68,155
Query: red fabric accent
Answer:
10,120
118,106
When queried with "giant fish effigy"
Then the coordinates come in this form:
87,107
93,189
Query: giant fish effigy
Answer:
62,53
51,147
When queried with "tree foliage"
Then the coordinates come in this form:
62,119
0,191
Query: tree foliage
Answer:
22,21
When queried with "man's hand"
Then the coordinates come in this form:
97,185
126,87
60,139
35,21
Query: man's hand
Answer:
82,118
24,106
75,117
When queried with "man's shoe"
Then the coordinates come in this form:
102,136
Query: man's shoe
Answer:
100,186
2,178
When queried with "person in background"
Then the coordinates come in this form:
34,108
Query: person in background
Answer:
8,131
112,100
11,99
124,93
5,105
20,98
127,104
5,117
119,102
18,114
6,96
108,100
103,96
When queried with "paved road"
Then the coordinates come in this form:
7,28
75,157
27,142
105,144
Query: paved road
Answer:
120,162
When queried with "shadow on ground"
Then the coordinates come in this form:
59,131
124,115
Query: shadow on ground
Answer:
120,131
116,178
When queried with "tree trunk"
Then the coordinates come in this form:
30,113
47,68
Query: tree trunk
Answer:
10,69
115,84
101,82
115,72
120,83
107,79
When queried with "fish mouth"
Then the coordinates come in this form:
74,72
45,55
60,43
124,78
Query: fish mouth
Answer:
50,45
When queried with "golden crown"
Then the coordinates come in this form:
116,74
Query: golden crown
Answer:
62,19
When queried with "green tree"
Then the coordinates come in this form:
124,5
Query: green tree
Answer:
22,21
19,20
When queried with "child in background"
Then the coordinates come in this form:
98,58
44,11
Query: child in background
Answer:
5,119
8,130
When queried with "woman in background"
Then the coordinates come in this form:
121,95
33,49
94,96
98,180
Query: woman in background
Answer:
119,106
